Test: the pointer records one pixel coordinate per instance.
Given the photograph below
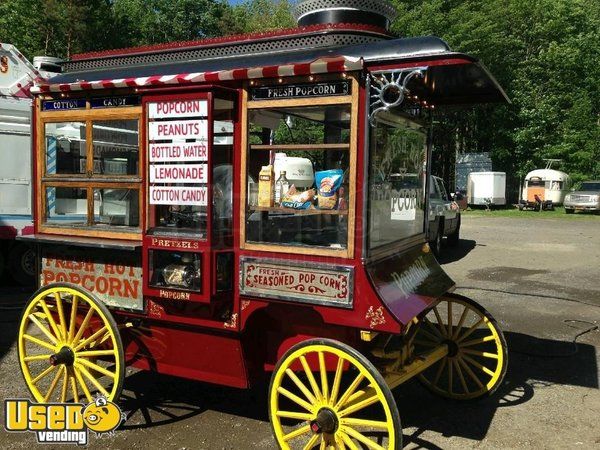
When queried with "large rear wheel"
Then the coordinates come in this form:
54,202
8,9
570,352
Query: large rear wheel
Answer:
477,354
69,347
326,395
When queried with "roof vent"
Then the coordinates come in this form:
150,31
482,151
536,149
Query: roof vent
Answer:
379,13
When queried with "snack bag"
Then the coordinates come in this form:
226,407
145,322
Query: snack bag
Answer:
328,184
298,200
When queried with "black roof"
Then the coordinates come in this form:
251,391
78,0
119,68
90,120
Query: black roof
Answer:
468,82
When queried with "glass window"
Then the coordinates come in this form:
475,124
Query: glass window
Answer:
536,182
590,186
176,218
65,148
66,206
90,151
117,207
442,189
176,270
116,147
222,157
396,180
298,164
434,190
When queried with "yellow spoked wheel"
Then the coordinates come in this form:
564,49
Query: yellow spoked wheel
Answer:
477,354
69,347
326,395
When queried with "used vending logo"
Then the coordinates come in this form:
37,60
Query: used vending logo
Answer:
66,423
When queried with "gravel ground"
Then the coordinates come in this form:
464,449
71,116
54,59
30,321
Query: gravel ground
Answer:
539,277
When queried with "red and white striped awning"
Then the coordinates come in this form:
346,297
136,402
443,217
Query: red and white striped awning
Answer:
323,65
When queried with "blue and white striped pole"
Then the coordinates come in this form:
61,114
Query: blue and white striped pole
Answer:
51,155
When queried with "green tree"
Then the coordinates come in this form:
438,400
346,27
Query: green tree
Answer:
55,27
255,16
544,53
142,22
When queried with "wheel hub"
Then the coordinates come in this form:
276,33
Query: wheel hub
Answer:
64,356
452,348
326,422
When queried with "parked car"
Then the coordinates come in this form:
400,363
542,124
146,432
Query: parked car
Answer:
587,198
444,216
444,211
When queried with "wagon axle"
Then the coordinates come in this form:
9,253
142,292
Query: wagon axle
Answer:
326,422
64,356
453,347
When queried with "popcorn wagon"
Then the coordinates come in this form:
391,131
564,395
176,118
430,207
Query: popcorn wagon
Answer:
223,210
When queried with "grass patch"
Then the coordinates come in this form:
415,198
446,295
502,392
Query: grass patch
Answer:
557,213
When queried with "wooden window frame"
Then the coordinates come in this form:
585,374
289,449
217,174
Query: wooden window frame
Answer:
86,181
351,100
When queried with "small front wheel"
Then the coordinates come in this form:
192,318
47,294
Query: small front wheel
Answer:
325,394
477,354
69,347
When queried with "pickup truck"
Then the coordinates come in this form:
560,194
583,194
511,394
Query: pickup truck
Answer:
444,216
444,212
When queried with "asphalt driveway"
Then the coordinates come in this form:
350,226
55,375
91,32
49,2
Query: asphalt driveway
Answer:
539,277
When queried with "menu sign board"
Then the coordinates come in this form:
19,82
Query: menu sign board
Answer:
63,105
115,102
180,152
326,89
178,173
317,284
178,135
114,280
177,109
177,195
178,130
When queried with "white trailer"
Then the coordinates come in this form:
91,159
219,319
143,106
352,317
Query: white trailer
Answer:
486,188
17,75
547,184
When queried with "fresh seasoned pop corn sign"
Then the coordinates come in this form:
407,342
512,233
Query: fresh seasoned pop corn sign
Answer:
298,282
178,135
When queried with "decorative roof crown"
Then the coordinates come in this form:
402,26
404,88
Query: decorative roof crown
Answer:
371,12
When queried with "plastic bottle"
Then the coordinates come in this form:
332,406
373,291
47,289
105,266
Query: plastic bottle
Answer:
282,186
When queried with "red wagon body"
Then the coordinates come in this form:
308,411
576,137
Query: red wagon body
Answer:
169,207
